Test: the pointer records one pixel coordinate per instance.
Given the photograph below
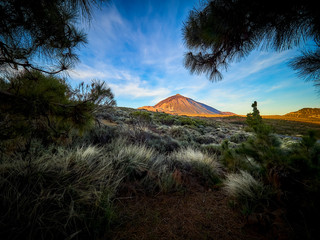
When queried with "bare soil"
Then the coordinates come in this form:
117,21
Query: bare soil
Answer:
190,215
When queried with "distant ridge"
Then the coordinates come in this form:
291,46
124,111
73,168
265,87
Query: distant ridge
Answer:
181,105
305,113
309,115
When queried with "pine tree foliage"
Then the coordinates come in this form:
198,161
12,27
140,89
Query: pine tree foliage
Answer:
223,31
34,105
38,39
254,119
43,31
308,66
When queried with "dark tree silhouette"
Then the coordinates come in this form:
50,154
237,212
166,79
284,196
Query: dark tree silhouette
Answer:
37,105
42,34
222,31
38,39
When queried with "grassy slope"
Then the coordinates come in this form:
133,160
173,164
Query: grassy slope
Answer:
166,186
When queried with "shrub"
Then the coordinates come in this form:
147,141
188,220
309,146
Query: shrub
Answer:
180,133
164,118
185,121
34,105
205,139
238,138
291,171
99,135
163,144
211,149
141,116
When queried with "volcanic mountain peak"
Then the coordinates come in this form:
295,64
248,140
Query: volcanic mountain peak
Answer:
178,104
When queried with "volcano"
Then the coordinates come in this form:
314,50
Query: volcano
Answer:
181,105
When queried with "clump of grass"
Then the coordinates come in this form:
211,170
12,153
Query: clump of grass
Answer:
58,196
169,181
200,164
248,192
130,159
173,172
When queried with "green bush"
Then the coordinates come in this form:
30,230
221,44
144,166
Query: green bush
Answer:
205,139
141,116
289,177
163,144
164,118
189,121
211,149
180,133
141,135
233,160
34,105
238,138
99,135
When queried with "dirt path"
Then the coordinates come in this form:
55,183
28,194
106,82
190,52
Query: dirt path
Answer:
195,215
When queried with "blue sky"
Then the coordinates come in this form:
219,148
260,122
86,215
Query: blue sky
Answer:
136,47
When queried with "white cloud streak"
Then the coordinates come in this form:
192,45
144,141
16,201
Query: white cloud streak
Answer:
137,90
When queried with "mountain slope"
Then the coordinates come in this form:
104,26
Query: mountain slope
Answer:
181,105
305,113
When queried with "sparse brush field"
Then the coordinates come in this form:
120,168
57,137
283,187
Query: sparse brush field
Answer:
293,128
279,126
150,175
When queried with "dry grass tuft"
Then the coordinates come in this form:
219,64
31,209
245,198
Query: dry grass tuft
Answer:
61,195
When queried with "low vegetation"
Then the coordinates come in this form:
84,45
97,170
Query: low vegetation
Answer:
68,189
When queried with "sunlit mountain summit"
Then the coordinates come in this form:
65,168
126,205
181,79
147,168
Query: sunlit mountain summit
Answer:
182,105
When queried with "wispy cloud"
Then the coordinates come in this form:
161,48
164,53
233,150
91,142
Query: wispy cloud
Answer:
255,63
137,90
278,86
123,83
